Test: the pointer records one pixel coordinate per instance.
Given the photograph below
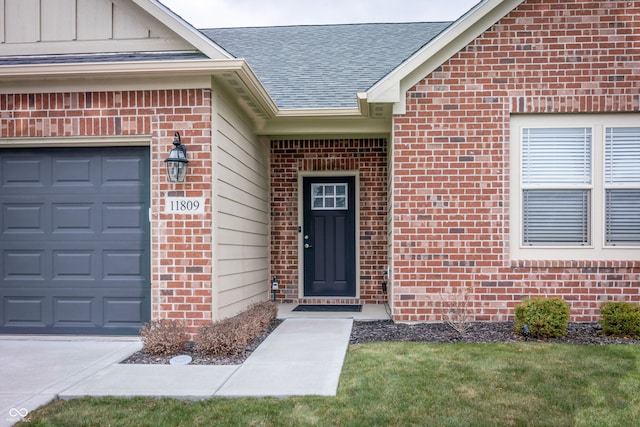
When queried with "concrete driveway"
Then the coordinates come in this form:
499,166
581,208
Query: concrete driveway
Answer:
34,370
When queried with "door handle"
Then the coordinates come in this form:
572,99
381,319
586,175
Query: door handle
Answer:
307,246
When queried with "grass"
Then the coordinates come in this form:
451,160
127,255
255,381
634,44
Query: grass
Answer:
404,384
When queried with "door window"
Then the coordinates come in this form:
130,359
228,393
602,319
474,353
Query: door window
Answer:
329,197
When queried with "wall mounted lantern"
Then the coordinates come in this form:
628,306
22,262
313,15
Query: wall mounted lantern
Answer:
177,161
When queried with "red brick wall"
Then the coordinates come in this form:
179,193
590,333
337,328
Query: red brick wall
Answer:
451,206
369,157
181,271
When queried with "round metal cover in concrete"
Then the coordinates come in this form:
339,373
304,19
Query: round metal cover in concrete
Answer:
183,359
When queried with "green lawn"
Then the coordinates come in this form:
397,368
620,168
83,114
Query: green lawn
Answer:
403,384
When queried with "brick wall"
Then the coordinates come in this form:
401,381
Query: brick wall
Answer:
369,157
451,164
181,264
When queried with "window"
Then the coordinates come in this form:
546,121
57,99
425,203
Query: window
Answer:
622,186
556,186
329,197
575,186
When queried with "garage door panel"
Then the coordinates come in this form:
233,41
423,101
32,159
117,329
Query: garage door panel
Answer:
24,311
74,265
123,265
73,218
74,248
121,171
64,220
91,309
124,218
75,312
75,261
72,172
23,218
23,172
70,312
22,265
119,312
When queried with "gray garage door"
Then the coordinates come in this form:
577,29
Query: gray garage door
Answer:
75,240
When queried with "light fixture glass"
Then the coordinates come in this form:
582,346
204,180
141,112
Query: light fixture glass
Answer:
177,161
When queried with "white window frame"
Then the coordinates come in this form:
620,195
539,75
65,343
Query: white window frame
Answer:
597,249
334,197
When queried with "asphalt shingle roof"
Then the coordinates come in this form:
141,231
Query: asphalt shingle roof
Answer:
323,66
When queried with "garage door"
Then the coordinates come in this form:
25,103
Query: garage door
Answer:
75,240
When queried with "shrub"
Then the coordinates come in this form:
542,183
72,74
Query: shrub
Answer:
545,317
457,306
164,337
229,337
620,319
266,312
226,337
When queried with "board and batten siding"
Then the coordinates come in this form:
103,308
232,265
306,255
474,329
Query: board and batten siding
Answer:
81,26
242,212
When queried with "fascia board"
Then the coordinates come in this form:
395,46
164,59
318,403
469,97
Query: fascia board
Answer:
392,88
183,29
320,112
257,90
119,68
236,68
325,126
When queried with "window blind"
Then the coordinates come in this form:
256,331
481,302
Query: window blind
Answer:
622,186
556,156
556,179
556,217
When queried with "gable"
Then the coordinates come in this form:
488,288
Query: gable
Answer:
392,88
35,27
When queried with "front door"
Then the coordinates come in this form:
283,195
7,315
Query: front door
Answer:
329,236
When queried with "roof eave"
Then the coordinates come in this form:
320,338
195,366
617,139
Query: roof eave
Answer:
116,68
393,86
235,71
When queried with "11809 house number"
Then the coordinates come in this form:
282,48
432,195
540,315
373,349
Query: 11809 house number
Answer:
184,205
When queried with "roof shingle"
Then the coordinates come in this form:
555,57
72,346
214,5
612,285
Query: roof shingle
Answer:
323,66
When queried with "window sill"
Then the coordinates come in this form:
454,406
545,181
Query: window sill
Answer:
575,263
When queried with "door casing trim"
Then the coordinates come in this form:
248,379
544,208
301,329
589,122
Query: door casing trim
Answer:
312,174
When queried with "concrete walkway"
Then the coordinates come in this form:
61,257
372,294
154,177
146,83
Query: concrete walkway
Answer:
303,356
34,370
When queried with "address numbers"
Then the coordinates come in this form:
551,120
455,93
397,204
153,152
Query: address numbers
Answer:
184,205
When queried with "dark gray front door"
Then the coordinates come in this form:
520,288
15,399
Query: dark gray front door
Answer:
74,243
329,236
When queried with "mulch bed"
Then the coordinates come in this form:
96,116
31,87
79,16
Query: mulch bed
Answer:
141,357
387,330
484,332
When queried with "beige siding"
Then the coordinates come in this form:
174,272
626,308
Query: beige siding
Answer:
61,20
81,26
242,212
126,25
2,21
22,21
96,22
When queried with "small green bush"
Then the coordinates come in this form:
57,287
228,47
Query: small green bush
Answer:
621,319
231,336
164,337
545,317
